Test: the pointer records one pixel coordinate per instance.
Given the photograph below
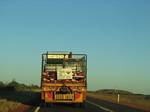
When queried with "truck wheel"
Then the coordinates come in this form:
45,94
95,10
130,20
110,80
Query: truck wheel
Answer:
50,104
78,105
82,105
42,104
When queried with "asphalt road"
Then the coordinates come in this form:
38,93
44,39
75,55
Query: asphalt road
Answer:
71,108
113,106
91,105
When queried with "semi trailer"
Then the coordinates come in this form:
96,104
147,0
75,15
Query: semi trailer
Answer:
63,77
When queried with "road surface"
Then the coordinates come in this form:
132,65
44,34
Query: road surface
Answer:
91,105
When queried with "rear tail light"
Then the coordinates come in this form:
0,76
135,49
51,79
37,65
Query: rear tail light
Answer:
77,95
50,95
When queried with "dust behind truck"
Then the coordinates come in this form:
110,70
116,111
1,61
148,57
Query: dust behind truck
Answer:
63,77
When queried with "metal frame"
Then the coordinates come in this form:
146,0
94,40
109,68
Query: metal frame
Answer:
44,57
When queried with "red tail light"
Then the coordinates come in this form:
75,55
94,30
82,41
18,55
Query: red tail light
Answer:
50,95
77,95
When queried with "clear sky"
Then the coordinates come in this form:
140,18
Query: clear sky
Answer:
115,34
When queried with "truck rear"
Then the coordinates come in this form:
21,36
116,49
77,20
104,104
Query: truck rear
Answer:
63,77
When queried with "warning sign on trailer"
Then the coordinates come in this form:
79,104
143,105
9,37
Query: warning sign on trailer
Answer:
64,73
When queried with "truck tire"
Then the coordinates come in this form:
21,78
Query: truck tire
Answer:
83,104
42,104
79,105
50,104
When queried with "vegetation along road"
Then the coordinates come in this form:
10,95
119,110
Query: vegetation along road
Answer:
15,97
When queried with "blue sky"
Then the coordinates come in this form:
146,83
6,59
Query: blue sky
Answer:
115,34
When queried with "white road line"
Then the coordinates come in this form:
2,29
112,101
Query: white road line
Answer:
99,106
37,109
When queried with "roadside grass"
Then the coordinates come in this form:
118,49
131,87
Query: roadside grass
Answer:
8,106
17,97
131,100
16,101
